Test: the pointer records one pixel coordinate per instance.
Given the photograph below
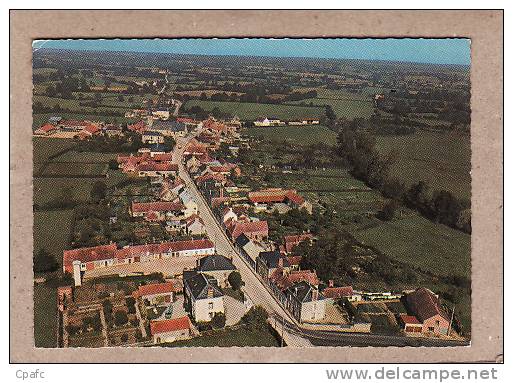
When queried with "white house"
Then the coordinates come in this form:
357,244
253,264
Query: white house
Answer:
171,330
150,137
202,297
191,207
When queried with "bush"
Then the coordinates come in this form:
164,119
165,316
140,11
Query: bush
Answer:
124,338
120,318
44,262
235,280
218,321
256,316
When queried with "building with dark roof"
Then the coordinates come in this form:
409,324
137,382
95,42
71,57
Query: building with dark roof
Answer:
268,261
216,266
426,307
202,296
305,302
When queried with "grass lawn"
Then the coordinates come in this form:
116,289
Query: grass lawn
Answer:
440,159
63,169
252,111
43,148
47,189
242,337
421,243
52,231
349,108
304,135
45,316
86,157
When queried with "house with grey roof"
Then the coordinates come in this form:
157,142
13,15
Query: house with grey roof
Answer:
203,298
305,302
268,261
216,266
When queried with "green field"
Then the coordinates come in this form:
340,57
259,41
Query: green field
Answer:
303,135
440,159
253,111
421,243
74,105
39,119
245,336
343,108
52,231
45,316
43,148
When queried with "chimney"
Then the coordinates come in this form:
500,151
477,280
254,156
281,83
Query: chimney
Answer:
280,262
330,283
210,292
315,294
221,193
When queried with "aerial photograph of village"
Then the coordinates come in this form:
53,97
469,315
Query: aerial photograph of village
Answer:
251,192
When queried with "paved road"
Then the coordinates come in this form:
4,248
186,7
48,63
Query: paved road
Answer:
253,287
281,320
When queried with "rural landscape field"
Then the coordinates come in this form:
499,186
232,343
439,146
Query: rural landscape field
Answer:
364,163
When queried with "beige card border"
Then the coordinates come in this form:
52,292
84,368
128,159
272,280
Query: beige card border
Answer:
485,28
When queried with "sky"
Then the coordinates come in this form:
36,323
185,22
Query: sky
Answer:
422,50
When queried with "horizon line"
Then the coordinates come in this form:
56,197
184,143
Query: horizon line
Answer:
35,49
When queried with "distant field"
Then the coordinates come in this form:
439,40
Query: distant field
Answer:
42,118
43,148
252,111
440,159
347,108
421,243
45,316
74,105
52,231
86,157
63,169
49,189
303,135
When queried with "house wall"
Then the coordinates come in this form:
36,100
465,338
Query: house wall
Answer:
159,299
436,324
203,310
171,336
313,311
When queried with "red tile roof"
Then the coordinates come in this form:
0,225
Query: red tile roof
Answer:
338,292
425,304
89,254
47,128
292,241
153,289
92,129
294,261
237,228
137,127
144,207
409,319
157,167
105,252
284,280
275,195
169,325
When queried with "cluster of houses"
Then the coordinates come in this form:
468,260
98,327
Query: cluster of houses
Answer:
56,127
77,261
274,121
298,290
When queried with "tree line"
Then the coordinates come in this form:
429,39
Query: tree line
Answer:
358,149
